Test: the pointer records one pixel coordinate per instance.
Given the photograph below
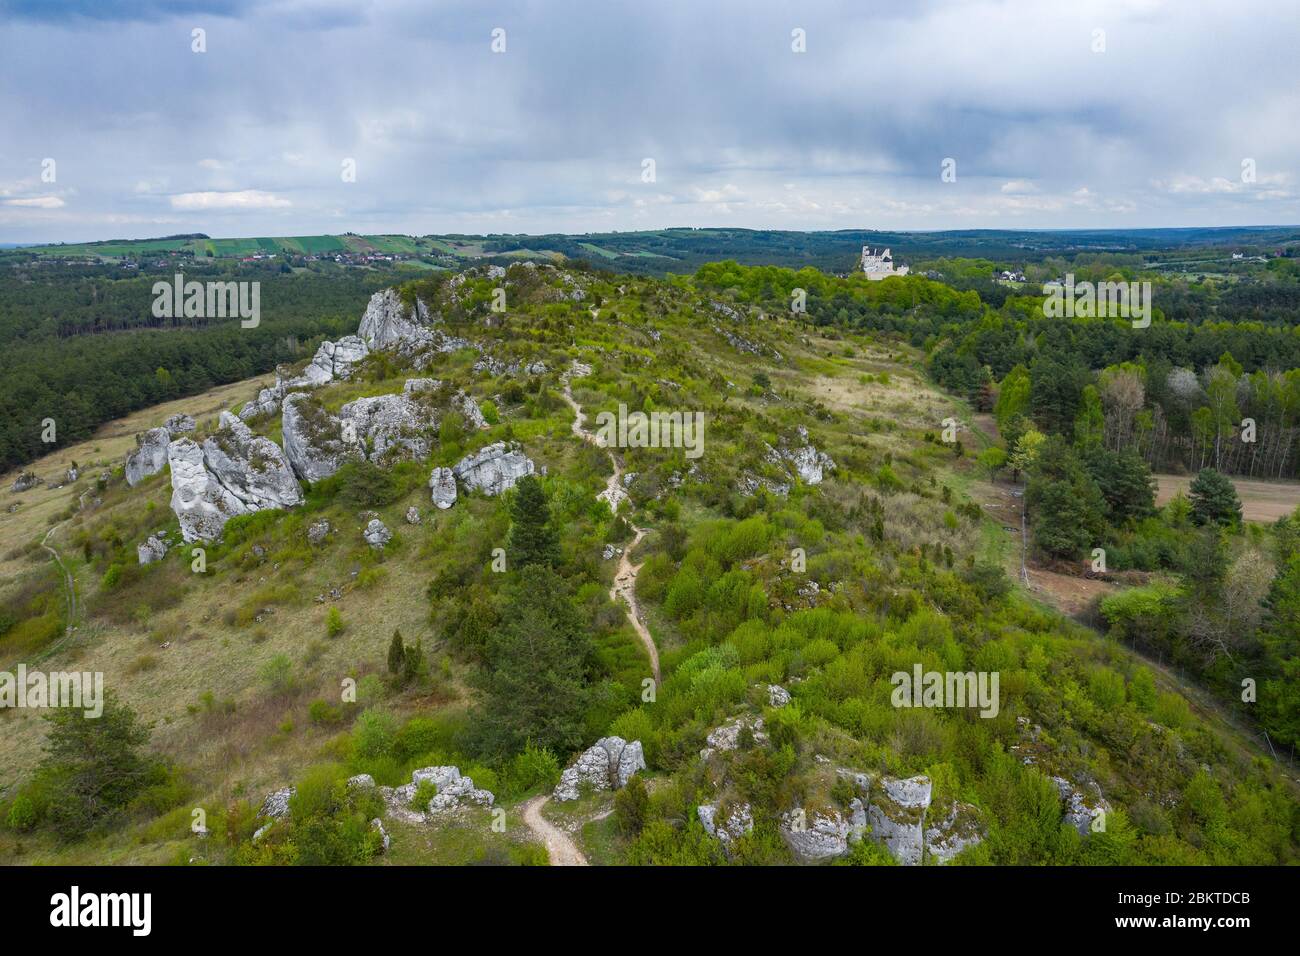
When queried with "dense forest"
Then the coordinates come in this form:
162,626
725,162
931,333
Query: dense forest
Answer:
1087,409
82,346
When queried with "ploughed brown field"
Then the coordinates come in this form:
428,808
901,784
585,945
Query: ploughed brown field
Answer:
1264,501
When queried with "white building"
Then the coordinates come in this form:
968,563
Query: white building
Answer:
880,265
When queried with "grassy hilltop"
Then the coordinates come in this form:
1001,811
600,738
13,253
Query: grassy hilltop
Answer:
238,670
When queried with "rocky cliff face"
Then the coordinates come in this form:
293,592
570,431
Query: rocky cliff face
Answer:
389,324
233,472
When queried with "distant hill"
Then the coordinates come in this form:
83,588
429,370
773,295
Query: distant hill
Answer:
658,252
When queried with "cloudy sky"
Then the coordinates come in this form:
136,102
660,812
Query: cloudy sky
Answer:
1056,114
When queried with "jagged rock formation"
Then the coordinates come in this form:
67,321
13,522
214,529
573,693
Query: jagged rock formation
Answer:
252,467
391,427
952,833
804,459
267,402
777,696
386,841
314,440
318,531
179,424
494,469
388,323
201,503
897,812
149,456
233,472
154,548
276,804
332,361
413,515
726,737
1081,808
734,824
25,482
897,816
380,428
442,487
607,765
822,837
377,534
454,792
408,330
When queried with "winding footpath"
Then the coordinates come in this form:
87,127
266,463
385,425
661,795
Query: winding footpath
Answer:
559,845
624,588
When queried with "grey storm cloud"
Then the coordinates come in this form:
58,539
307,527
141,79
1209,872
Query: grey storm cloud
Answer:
249,137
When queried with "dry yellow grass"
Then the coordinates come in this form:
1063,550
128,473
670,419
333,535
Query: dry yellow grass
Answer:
107,448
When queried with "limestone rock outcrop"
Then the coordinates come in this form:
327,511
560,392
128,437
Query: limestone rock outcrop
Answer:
816,837
390,324
897,816
726,736
179,424
149,455
494,469
380,428
898,813
801,457
728,826
28,480
777,696
442,487
201,503
252,467
952,832
607,765
1081,807
153,549
377,534
314,440
332,361
276,804
233,472
391,427
454,792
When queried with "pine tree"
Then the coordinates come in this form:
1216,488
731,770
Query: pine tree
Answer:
396,654
532,539
1214,499
536,661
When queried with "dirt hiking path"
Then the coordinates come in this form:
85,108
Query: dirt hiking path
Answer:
624,588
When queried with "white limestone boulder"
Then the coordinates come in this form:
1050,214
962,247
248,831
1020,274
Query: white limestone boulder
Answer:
442,487
377,534
494,469
148,457
606,765
815,837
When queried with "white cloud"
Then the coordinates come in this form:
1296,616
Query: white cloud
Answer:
37,202
241,199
